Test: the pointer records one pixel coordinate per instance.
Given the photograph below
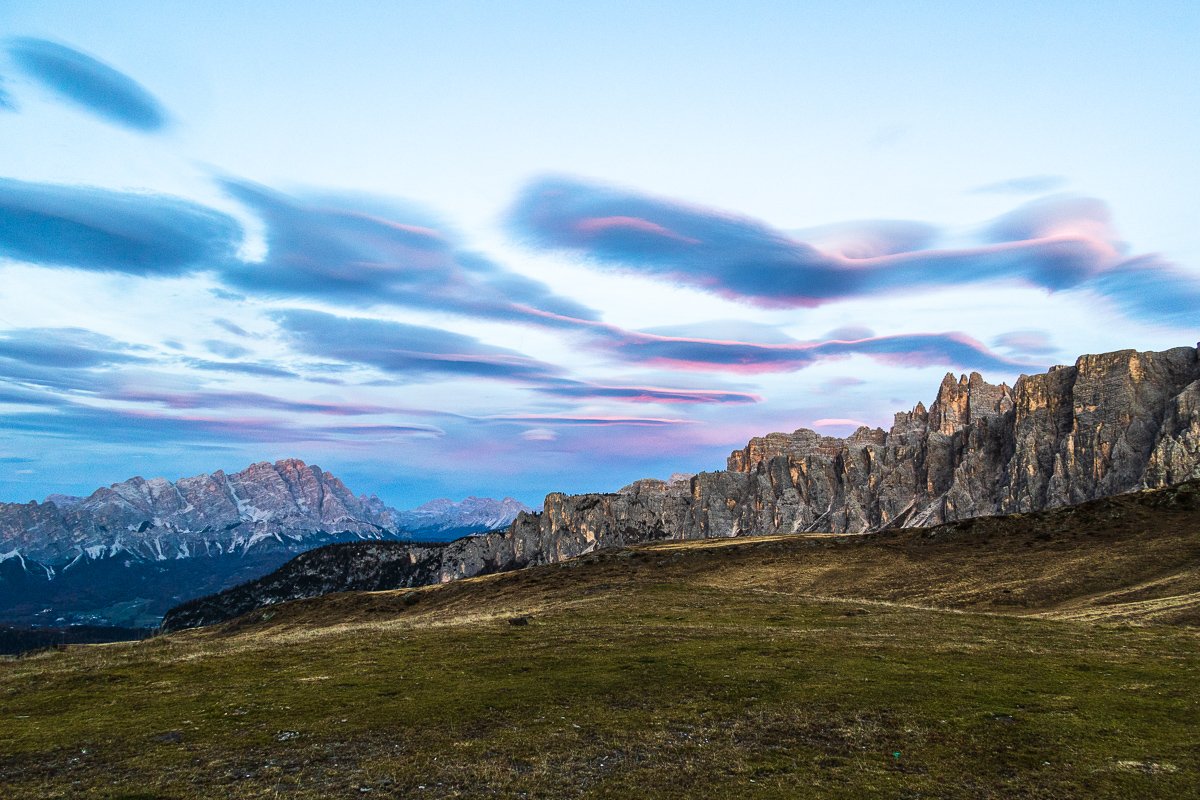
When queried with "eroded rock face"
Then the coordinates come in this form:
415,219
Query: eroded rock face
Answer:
1109,424
288,505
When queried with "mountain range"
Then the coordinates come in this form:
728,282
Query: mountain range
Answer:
1109,424
128,551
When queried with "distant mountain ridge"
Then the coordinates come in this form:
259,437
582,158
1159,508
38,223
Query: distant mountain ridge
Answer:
287,505
128,551
444,518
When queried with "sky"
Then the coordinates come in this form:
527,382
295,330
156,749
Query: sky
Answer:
443,249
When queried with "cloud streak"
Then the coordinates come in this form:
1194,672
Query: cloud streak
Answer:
89,83
352,252
107,231
221,399
1028,184
64,348
106,425
908,350
1057,243
402,349
646,394
6,101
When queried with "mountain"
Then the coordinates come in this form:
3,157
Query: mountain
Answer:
128,552
282,506
1109,424
444,519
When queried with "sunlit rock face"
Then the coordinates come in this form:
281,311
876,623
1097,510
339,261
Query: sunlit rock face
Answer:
1109,424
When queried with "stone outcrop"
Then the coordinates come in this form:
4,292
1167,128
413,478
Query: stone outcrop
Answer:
1109,424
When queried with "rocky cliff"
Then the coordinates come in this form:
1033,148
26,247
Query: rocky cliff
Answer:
1109,424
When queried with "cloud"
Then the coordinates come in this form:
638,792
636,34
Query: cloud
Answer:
21,396
217,399
89,83
1150,289
908,350
6,102
242,368
364,252
419,351
403,349
1029,342
1056,243
839,422
728,329
63,359
589,421
850,333
646,394
129,427
836,384
869,238
65,348
225,349
231,327
108,231
1029,184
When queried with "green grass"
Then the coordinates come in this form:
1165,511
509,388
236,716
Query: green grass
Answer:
651,685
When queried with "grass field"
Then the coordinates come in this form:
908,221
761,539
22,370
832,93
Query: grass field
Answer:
908,666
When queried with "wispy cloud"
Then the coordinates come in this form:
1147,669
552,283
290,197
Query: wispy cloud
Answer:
403,349
101,230
362,254
589,421
62,359
646,394
259,369
256,400
907,350
1025,342
90,83
231,327
6,101
1056,243
225,349
1150,289
65,348
1029,184
90,423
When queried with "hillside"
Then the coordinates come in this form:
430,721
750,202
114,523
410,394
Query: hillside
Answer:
963,661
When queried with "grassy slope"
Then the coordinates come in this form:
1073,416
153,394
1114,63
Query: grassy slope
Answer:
745,668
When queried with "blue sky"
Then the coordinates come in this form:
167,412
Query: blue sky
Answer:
509,248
